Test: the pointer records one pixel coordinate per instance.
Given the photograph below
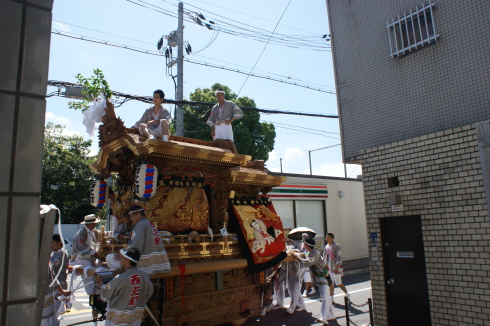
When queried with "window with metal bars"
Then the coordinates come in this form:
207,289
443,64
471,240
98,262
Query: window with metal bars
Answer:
412,31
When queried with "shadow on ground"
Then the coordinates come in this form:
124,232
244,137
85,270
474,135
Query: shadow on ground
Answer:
280,317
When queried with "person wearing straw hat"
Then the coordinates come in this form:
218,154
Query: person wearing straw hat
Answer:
319,273
146,238
83,253
127,293
221,117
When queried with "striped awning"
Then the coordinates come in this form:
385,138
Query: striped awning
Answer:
299,191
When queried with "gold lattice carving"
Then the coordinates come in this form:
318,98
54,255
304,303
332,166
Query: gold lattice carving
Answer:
215,307
124,199
179,209
236,278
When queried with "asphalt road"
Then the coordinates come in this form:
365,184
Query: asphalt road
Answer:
359,286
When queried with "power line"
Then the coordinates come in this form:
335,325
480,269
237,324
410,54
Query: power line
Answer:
304,153
154,53
300,38
282,39
195,53
148,99
307,132
265,46
307,129
242,13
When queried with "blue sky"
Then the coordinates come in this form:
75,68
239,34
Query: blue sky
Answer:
125,23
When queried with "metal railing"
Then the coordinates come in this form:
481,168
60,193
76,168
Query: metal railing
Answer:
348,304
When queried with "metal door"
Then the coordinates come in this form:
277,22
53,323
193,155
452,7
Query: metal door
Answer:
405,274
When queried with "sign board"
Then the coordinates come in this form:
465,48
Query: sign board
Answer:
397,208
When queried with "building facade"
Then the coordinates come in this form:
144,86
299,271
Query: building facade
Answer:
25,31
412,84
326,204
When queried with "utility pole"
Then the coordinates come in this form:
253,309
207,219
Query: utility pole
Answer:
180,72
309,159
314,150
280,160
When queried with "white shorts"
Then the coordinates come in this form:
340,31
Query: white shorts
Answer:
223,131
336,278
307,275
157,131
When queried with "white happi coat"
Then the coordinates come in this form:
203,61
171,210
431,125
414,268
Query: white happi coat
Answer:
126,296
316,264
58,262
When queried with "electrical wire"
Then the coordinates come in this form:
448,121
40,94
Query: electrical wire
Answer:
154,53
265,46
148,99
242,13
303,153
305,129
213,38
255,33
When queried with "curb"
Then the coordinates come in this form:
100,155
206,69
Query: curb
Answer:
356,271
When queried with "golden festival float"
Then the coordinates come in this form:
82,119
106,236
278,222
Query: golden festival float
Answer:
221,232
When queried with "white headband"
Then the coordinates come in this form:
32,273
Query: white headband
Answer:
125,255
217,92
138,210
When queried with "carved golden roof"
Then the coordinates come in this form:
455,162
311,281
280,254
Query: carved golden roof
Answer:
246,176
177,148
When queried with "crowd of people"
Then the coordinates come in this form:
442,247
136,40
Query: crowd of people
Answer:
128,292
311,270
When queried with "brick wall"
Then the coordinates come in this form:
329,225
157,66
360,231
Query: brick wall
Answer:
440,179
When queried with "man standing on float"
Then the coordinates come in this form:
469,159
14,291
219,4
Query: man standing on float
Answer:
221,117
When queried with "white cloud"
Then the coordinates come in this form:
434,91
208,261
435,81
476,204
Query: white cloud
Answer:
337,170
52,117
295,160
292,153
62,27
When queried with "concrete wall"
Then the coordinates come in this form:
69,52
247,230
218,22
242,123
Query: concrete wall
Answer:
25,31
383,100
440,179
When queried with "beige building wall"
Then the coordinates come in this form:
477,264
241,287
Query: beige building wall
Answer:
441,180
346,218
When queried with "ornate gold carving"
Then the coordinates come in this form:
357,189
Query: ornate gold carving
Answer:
110,130
225,144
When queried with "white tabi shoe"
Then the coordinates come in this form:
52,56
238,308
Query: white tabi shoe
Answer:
322,321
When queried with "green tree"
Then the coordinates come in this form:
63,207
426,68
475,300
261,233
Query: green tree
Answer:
66,175
251,136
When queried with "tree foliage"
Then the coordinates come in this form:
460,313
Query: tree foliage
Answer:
66,174
251,136
93,87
